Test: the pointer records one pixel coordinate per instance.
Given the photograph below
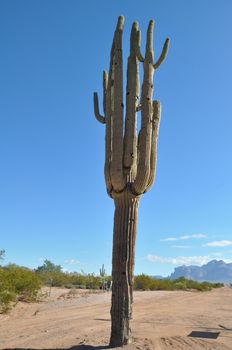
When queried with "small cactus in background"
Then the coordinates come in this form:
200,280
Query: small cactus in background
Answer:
103,277
102,271
130,160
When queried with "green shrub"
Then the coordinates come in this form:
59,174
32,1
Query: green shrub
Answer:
218,285
63,279
17,283
93,282
7,294
144,282
53,278
78,279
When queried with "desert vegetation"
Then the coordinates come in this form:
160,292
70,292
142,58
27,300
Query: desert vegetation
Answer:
145,282
19,283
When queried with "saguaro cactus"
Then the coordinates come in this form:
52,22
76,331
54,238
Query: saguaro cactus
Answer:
130,160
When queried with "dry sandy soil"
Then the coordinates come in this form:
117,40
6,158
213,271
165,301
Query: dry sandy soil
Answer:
81,321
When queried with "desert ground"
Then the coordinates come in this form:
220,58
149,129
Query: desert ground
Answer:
162,320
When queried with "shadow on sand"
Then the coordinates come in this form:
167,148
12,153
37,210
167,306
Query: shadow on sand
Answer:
77,347
207,335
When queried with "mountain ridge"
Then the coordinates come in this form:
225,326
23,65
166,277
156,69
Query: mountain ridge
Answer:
213,271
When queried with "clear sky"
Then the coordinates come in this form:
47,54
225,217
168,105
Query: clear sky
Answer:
53,202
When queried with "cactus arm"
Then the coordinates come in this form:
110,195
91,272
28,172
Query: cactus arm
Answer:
108,103
163,54
143,167
149,44
132,96
98,116
107,111
155,131
117,177
138,46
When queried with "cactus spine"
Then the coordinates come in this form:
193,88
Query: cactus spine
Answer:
130,160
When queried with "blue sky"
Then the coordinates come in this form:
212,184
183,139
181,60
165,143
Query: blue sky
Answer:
53,202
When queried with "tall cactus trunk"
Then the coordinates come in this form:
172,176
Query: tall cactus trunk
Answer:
125,222
130,160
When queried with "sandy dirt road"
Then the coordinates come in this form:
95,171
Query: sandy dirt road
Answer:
161,321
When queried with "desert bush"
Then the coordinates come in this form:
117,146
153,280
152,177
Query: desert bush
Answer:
23,282
17,283
6,299
52,274
180,284
218,285
7,294
77,279
144,282
88,281
57,278
92,281
54,279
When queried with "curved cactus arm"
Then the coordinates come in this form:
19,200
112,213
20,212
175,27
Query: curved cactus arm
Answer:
163,54
155,131
143,167
117,176
132,97
138,46
144,153
98,116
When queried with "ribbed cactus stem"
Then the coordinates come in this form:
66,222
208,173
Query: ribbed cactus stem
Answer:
125,220
130,161
138,47
163,54
117,176
154,139
108,135
149,44
98,116
132,99
108,132
143,168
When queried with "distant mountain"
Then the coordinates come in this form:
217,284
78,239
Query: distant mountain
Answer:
159,277
214,271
